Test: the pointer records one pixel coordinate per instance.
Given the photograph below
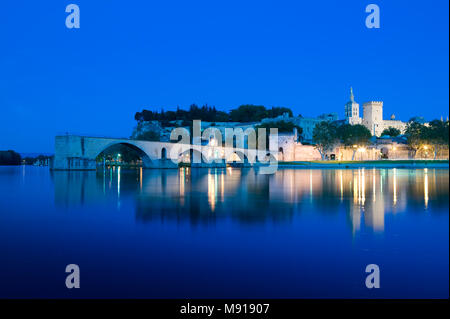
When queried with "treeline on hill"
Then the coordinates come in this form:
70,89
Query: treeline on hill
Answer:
244,113
10,158
282,126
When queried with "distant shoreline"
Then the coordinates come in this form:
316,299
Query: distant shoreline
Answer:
367,164
411,164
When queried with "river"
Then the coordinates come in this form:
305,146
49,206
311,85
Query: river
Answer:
224,233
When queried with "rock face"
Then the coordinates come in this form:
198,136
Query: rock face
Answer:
143,127
155,126
164,131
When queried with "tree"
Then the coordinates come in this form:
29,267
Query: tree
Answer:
418,119
10,158
436,134
391,131
248,113
138,117
244,113
325,137
282,126
204,113
351,135
354,135
277,111
415,133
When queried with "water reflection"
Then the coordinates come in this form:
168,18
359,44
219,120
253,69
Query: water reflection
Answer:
203,195
395,187
425,187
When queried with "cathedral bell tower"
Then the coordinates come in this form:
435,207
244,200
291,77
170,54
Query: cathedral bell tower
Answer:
352,110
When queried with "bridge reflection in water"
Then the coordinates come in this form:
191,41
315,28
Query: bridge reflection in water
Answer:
198,196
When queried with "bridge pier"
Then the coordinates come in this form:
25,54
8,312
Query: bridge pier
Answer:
161,163
73,163
70,154
212,164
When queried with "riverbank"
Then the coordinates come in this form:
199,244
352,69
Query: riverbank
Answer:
368,164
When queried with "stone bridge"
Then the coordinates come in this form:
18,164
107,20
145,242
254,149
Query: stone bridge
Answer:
73,152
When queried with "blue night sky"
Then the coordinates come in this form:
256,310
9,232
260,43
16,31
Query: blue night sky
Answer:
130,55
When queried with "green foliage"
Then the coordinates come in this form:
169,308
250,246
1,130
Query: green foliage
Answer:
248,113
391,131
204,113
277,111
10,158
282,126
418,119
325,137
244,113
415,133
354,134
434,136
437,132
255,113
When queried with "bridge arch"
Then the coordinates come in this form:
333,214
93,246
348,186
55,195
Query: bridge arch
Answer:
269,157
191,155
146,160
280,154
238,158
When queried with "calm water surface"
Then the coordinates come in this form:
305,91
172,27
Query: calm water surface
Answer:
224,232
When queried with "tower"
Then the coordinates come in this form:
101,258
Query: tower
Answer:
373,117
352,110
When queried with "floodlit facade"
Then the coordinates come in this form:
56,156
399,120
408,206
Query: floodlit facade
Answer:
372,116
